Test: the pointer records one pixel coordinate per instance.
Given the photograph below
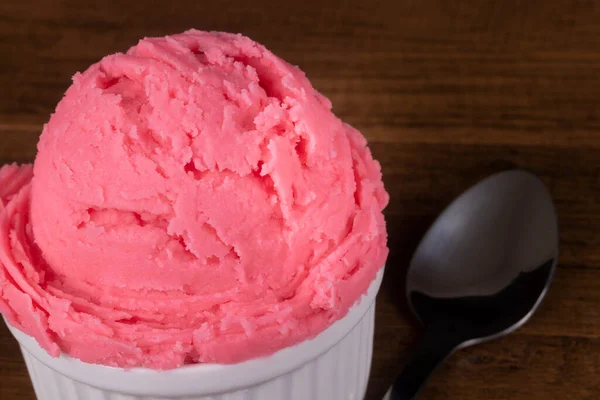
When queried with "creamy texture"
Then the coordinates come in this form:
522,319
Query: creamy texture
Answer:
193,200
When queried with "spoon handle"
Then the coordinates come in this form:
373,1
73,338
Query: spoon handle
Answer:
434,349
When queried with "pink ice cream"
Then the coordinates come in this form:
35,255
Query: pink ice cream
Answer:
193,200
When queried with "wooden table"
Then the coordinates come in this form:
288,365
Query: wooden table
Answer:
447,92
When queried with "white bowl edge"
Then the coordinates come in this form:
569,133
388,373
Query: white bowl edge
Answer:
203,379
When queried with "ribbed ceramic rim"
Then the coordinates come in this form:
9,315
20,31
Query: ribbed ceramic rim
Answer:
203,379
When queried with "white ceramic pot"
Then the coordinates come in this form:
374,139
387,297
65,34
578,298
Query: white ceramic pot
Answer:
334,365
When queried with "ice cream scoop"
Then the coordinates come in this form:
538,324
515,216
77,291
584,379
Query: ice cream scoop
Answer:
193,200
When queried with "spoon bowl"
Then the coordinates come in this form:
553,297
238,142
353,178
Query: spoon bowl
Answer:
481,270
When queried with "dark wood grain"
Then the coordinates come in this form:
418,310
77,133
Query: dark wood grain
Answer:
446,92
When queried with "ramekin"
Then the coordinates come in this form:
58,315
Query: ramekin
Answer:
334,365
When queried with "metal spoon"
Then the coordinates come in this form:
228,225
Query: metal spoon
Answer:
480,272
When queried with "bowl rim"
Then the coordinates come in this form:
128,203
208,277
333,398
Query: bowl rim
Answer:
203,379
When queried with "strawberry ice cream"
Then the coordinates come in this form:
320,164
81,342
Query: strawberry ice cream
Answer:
193,200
